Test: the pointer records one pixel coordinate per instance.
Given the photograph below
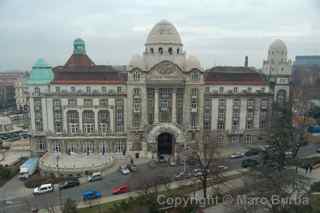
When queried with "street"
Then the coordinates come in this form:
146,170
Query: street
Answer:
26,201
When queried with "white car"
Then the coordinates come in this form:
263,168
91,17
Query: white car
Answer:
237,155
222,167
95,177
43,189
124,170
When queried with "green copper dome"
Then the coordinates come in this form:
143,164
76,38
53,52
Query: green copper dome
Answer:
79,47
41,73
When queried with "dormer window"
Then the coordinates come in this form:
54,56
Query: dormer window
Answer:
104,89
73,89
220,89
57,89
88,89
170,50
37,91
151,50
195,76
178,51
160,50
235,90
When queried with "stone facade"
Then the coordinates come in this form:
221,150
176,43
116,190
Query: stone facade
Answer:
162,104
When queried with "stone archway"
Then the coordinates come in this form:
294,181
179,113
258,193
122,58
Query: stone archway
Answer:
162,129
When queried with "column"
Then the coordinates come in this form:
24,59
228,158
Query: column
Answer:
80,121
156,105
174,111
96,121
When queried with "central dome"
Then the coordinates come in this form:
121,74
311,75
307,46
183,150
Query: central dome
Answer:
163,33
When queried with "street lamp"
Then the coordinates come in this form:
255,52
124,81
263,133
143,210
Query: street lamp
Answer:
59,191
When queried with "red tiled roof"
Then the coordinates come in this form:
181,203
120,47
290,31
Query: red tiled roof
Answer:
76,60
233,76
98,74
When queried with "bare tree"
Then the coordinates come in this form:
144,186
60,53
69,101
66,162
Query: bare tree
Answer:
210,162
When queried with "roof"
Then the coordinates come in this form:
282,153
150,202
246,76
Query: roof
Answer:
233,76
163,33
99,74
41,73
76,60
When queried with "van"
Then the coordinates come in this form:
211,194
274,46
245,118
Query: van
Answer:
95,177
43,189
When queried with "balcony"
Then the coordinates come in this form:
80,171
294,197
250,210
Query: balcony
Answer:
93,134
235,131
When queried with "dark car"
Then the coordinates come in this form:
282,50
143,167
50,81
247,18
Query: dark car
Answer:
252,152
249,163
69,183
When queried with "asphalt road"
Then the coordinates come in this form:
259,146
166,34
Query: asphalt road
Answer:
134,180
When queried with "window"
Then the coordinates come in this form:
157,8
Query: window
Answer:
88,121
263,89
160,50
220,125
249,124
151,50
104,89
178,51
248,139
37,91
235,90
87,102
194,91
103,102
72,102
73,89
220,138
104,121
119,89
57,89
220,89
170,50
88,89
136,91
193,120
195,76
136,76
249,89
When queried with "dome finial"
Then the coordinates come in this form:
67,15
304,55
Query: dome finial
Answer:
79,47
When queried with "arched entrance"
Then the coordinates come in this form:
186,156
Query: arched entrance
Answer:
165,144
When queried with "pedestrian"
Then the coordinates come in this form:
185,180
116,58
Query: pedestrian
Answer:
306,169
310,169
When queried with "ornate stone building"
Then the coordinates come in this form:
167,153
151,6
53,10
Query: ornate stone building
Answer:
164,103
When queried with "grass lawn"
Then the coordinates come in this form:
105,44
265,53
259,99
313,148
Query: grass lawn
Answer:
99,208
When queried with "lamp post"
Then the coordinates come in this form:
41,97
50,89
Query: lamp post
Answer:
58,174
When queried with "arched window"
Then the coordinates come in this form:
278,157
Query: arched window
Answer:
88,89
235,89
73,89
151,50
160,50
170,50
178,51
88,121
73,121
104,121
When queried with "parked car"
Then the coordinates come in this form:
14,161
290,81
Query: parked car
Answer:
236,155
252,152
43,189
249,163
318,150
120,189
132,167
223,167
124,170
68,183
179,176
95,177
91,195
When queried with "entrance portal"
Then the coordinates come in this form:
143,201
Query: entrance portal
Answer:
165,144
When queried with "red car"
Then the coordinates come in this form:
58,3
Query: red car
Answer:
120,189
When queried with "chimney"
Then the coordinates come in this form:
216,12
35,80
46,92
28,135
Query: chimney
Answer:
246,61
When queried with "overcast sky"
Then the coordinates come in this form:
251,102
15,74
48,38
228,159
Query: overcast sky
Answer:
219,32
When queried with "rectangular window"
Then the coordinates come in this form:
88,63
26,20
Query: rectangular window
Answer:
57,89
72,102
88,102
103,102
194,92
119,89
